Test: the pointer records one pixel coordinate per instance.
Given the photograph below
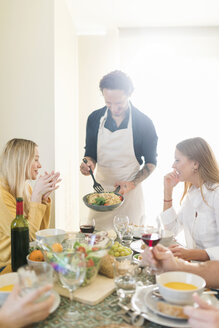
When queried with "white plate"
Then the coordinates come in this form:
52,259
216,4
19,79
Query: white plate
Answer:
151,301
11,279
7,279
136,246
138,304
56,301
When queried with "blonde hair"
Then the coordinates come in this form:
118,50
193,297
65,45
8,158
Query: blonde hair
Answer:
15,168
197,149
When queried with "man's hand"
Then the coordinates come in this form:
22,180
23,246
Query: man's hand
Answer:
84,168
125,186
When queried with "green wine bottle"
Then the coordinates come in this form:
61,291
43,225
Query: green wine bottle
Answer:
19,237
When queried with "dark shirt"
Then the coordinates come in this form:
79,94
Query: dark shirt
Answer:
144,134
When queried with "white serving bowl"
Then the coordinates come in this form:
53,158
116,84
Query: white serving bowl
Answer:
34,263
167,238
122,258
179,296
51,236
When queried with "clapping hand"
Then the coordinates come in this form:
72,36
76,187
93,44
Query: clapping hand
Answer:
44,186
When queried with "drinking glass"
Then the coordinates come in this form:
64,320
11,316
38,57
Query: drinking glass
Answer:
71,270
121,225
125,278
31,277
151,238
128,235
87,226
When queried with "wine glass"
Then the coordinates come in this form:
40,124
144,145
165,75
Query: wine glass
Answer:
151,238
121,225
88,226
71,270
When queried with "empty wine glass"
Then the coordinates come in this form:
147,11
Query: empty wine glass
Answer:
121,225
71,270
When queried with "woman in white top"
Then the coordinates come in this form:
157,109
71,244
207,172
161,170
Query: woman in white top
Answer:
196,166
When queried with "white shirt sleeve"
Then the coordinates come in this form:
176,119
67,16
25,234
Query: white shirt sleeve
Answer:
172,221
213,253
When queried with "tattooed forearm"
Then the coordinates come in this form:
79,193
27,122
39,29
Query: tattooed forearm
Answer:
143,173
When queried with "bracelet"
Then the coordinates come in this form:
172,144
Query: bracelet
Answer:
167,201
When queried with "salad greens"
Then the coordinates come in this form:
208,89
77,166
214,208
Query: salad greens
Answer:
92,254
99,201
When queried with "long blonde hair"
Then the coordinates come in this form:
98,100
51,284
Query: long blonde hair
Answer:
15,168
197,149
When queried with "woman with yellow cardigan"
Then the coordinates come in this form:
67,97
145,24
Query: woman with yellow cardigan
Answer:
20,163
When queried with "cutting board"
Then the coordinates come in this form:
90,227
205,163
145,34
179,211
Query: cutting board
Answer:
92,294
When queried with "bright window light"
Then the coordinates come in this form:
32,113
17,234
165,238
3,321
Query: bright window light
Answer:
176,77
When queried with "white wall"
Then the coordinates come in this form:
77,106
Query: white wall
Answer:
97,56
66,118
38,86
27,74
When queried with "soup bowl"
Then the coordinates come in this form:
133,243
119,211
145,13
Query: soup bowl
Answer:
177,295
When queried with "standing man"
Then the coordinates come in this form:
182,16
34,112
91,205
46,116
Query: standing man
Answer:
117,137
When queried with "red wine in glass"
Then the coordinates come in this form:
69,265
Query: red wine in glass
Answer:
151,239
87,228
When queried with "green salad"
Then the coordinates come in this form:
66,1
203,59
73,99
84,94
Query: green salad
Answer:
93,256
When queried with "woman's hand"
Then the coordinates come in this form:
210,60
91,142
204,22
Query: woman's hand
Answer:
180,251
125,186
205,316
44,186
160,257
85,168
21,311
189,254
170,181
56,180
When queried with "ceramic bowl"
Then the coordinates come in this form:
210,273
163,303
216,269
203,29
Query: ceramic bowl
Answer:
34,263
167,238
179,296
102,208
122,258
51,236
5,280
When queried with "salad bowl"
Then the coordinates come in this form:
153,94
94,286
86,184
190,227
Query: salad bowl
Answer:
93,253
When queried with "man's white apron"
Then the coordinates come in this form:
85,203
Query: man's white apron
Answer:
116,161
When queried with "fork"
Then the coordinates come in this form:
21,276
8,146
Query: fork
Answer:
97,186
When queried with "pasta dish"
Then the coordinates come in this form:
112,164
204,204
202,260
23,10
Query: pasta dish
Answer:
104,198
